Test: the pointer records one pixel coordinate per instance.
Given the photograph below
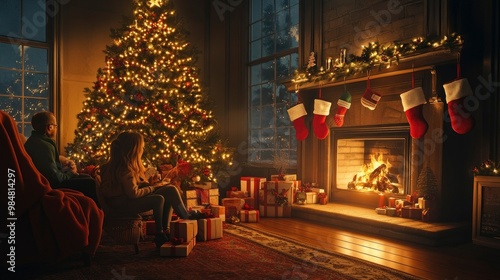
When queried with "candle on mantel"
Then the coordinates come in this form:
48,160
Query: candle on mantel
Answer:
381,200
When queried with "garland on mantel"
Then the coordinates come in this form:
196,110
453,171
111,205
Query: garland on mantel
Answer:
375,56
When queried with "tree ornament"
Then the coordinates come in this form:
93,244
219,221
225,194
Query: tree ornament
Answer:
297,115
344,103
413,101
321,111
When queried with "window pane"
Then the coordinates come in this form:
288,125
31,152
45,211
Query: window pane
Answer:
267,140
255,96
35,59
268,9
255,75
267,94
282,118
282,20
255,138
10,82
10,18
282,95
36,85
283,67
255,50
32,106
35,20
268,71
267,155
11,105
267,116
282,41
256,11
256,31
283,141
267,46
282,5
11,56
255,118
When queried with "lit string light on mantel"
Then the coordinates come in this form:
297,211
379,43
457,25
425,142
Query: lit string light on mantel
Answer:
376,56
150,84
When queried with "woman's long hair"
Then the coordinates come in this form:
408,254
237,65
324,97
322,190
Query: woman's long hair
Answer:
124,158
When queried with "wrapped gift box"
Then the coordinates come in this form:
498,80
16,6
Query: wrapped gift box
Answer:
208,196
235,202
209,229
416,213
286,177
219,211
181,250
311,198
185,229
202,197
267,196
275,211
381,211
301,198
191,198
390,211
237,194
251,186
249,216
405,212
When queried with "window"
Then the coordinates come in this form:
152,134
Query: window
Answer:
273,57
24,61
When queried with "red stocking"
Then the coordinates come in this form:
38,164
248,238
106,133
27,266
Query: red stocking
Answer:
413,101
370,98
321,111
344,103
296,114
461,119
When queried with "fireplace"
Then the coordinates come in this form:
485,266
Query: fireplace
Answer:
368,161
372,159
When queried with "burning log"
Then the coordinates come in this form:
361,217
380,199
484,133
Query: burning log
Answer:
376,173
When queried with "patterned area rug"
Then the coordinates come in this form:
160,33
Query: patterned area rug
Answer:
337,263
242,253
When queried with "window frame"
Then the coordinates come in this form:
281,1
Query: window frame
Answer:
24,124
277,83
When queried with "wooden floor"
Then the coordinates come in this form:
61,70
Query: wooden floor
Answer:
457,262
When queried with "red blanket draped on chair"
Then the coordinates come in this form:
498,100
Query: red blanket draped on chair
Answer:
51,224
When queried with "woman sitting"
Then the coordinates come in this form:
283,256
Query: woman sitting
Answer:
126,190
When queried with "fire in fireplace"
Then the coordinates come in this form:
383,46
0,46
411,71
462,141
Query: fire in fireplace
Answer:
372,160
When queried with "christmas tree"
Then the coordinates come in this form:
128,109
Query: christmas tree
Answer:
150,85
427,185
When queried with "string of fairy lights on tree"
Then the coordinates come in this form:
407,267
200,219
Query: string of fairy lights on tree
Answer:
375,56
150,84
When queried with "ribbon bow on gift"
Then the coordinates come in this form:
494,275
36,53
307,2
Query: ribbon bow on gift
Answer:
177,241
247,207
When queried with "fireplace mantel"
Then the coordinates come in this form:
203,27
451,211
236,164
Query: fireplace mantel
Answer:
422,61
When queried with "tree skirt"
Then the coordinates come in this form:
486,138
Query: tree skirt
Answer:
241,254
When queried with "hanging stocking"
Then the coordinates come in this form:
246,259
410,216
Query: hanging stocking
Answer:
456,92
370,98
321,111
461,119
413,101
344,103
296,114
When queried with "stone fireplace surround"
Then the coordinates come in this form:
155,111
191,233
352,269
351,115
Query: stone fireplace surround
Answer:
315,156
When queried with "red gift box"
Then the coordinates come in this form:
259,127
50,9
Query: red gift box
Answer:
209,229
251,186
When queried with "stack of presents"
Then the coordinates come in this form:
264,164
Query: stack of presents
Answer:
255,198
413,207
258,197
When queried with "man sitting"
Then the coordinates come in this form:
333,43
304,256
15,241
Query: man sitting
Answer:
60,171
